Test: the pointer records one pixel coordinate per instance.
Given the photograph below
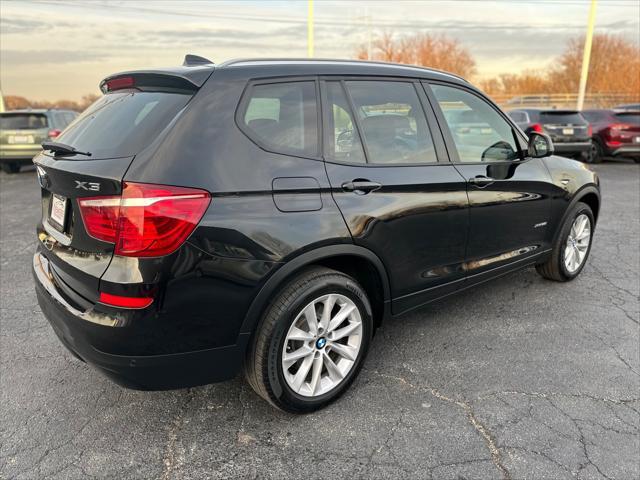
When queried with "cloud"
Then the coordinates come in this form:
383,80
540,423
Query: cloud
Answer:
44,57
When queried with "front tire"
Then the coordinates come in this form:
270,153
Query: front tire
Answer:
311,342
572,246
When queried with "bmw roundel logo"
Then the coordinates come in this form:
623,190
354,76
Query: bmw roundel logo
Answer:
43,178
321,342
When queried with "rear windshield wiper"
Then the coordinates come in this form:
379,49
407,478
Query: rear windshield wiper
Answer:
63,149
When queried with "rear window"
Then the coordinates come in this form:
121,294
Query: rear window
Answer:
595,116
519,117
283,117
629,117
562,117
23,121
123,123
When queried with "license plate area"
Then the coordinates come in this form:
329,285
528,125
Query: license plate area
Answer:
13,139
567,131
58,212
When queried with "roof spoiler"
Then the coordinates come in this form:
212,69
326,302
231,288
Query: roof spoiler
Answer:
190,76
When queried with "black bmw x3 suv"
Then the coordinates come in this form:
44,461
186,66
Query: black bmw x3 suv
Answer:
268,215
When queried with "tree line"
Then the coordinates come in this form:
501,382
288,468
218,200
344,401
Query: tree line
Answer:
14,102
614,66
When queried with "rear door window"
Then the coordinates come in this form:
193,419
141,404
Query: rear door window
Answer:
392,122
343,141
23,121
121,124
283,117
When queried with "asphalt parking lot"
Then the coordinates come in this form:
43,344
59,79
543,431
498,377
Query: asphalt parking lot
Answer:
519,378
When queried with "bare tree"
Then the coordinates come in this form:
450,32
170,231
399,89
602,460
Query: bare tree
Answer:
614,66
435,51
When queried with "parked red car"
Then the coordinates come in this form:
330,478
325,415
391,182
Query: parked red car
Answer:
615,133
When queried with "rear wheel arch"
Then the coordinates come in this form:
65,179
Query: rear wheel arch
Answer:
358,262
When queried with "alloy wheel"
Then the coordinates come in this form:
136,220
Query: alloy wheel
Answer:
577,244
322,345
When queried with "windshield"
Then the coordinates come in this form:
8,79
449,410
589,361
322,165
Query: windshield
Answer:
123,123
23,121
562,117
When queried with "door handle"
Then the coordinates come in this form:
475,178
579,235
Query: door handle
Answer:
481,181
361,186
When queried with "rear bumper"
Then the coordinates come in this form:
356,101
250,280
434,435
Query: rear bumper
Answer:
77,329
631,150
573,147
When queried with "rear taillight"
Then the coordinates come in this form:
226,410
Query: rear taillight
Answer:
536,127
589,130
54,133
619,126
147,220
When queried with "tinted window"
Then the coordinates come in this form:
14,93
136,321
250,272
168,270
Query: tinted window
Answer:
519,117
283,117
68,118
628,117
123,123
552,117
594,116
344,143
479,131
22,121
392,122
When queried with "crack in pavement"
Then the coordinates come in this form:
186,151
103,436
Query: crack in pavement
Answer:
473,420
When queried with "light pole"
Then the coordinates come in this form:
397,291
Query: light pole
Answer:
310,29
586,55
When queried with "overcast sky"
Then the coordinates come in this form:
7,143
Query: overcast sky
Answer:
62,49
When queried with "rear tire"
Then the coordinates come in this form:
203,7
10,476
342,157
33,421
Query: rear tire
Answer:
560,266
10,167
587,157
597,152
284,331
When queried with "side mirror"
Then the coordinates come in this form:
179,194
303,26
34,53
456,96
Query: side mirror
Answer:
540,145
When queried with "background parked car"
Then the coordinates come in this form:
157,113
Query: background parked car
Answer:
569,130
633,107
22,132
615,133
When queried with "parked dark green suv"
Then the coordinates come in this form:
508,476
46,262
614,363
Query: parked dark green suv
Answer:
22,132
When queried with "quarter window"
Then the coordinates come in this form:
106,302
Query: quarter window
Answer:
479,132
344,143
283,117
392,122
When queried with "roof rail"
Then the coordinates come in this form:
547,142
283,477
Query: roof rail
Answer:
194,60
236,61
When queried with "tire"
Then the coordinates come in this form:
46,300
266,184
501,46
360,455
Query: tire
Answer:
10,167
264,366
586,157
597,153
557,268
